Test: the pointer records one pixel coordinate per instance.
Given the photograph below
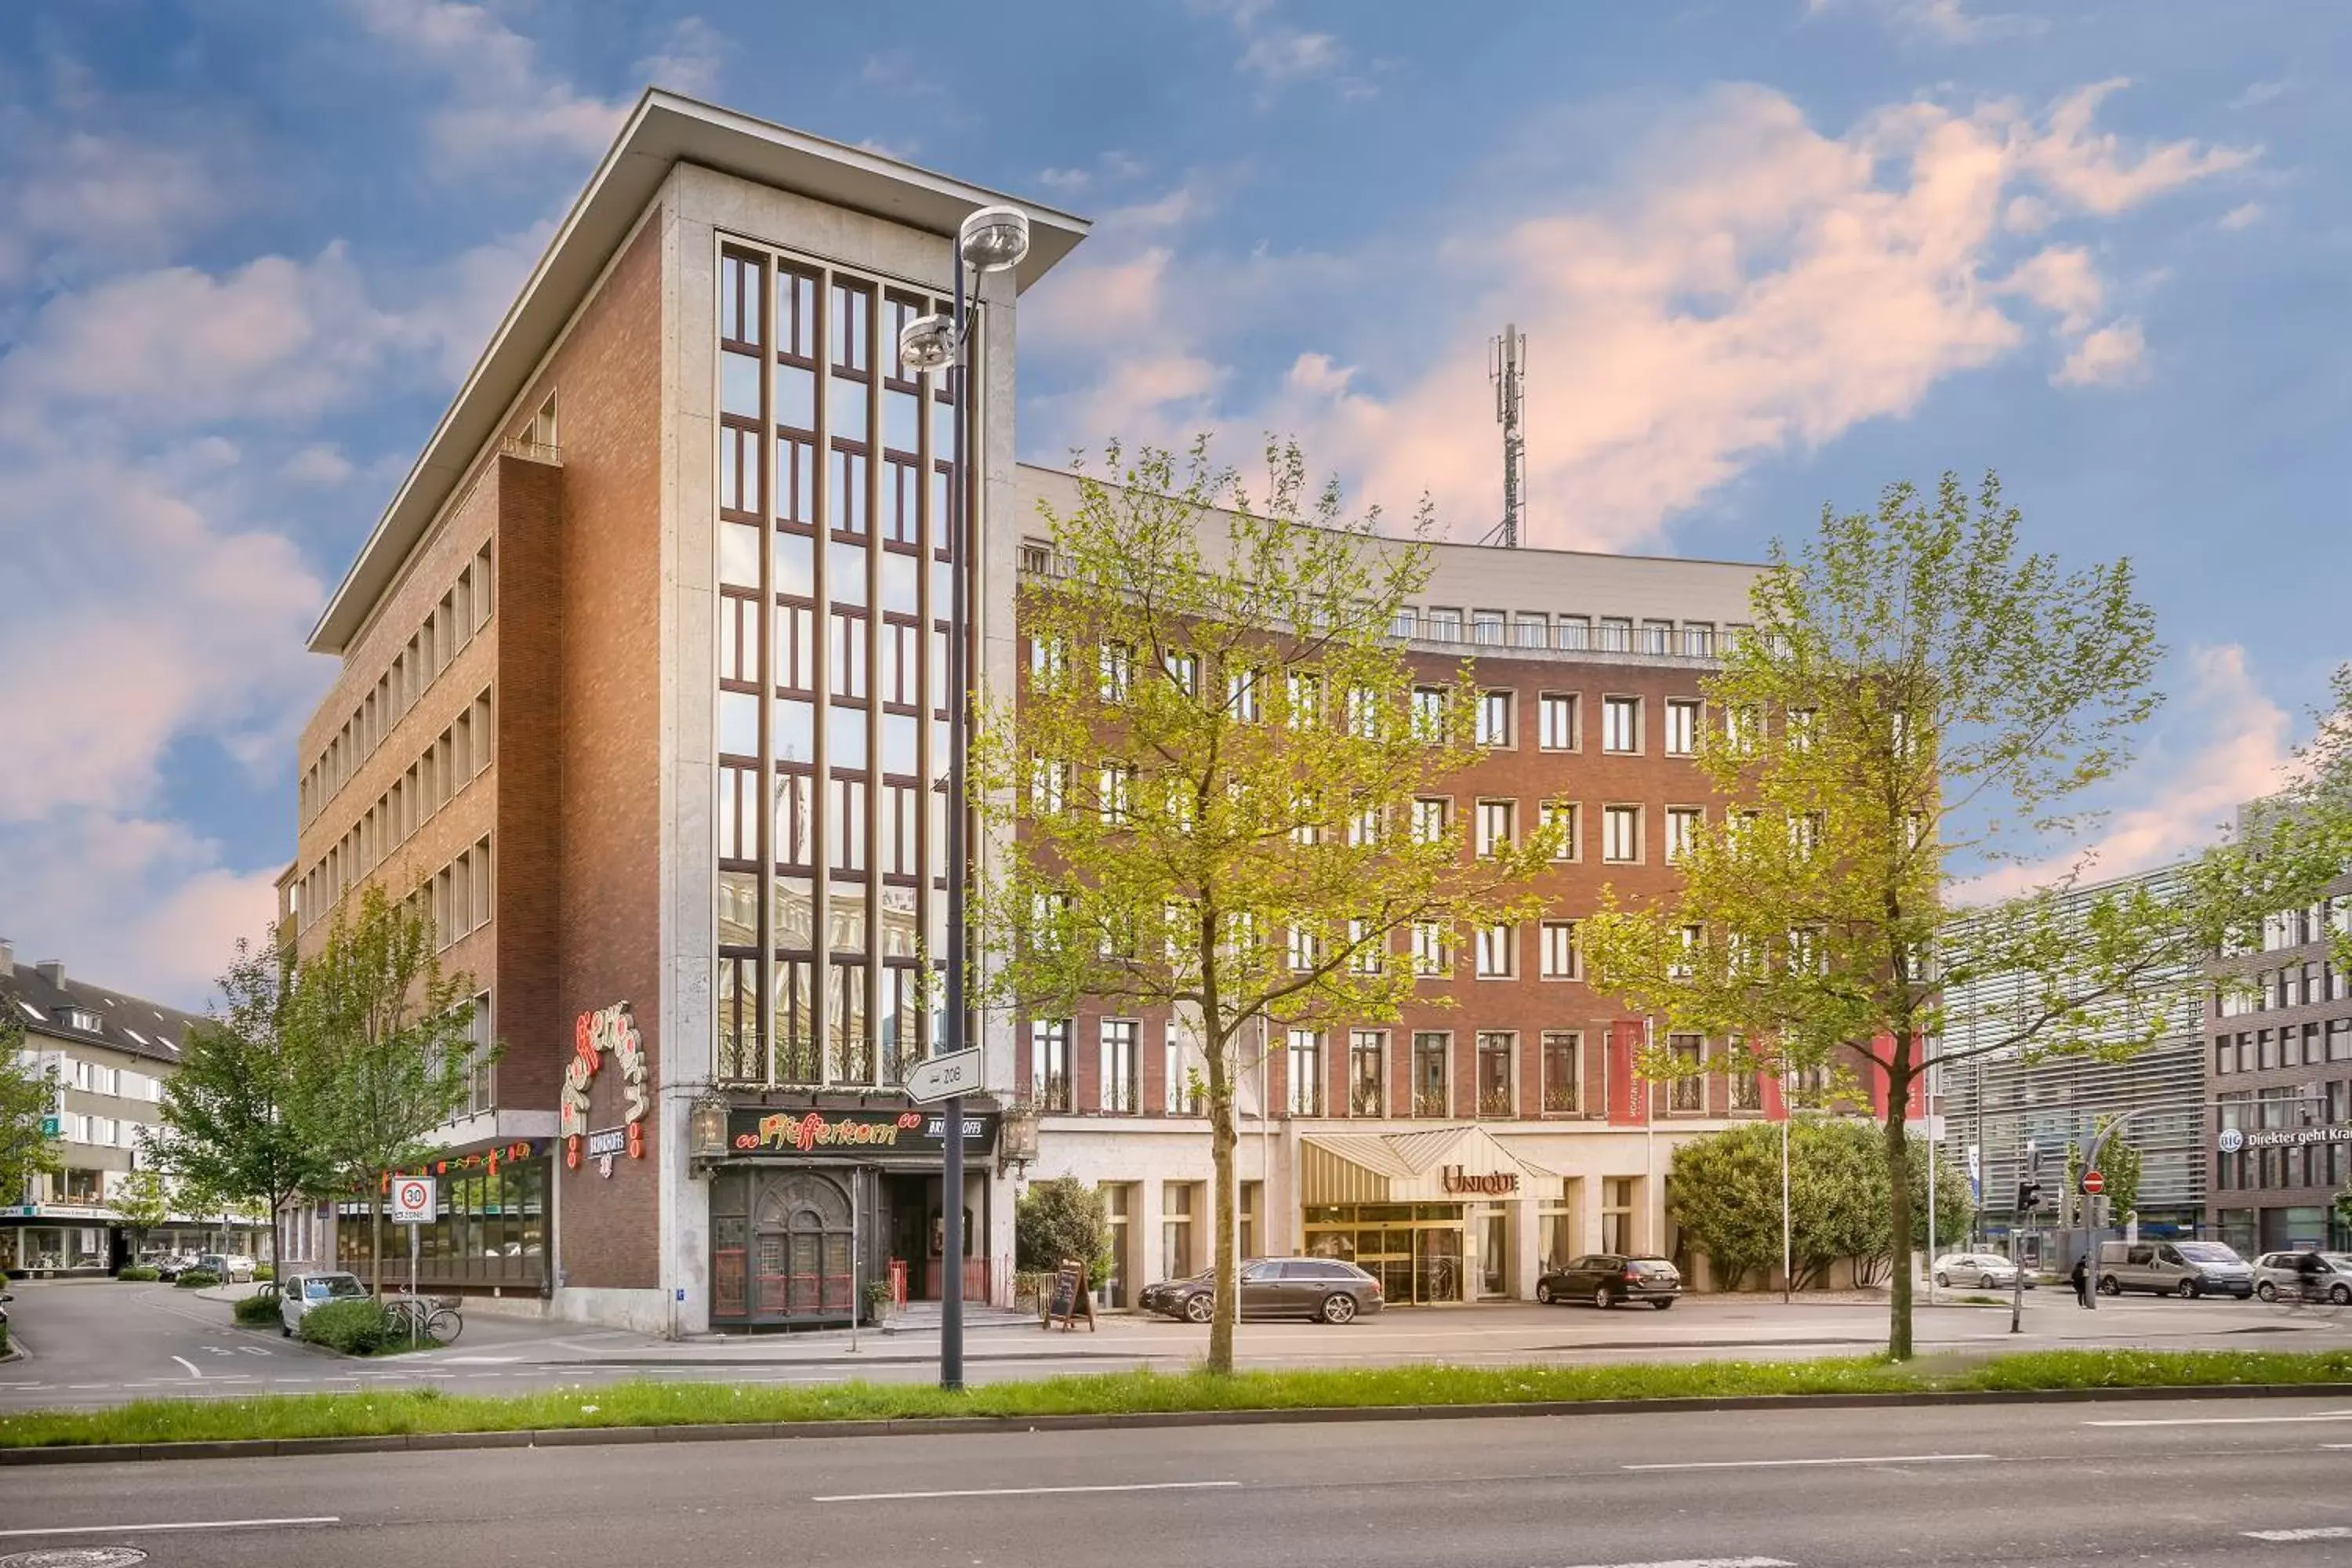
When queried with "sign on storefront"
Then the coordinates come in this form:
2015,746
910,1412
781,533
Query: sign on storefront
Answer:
849,1134
611,1030
2233,1138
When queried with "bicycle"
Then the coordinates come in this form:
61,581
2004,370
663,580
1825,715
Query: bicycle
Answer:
433,1318
2325,1301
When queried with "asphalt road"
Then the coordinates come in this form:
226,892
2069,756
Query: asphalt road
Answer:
106,1343
2255,1484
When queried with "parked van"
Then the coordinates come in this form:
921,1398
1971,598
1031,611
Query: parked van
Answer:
2174,1269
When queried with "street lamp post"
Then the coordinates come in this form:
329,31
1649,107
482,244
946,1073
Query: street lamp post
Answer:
991,240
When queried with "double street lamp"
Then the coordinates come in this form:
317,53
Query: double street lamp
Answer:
991,240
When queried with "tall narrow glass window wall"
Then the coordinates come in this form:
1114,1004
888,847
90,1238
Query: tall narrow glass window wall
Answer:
833,564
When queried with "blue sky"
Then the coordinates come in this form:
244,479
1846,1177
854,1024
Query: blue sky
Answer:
1768,254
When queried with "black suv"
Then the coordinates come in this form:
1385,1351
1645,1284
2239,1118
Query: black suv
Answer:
1323,1289
1605,1279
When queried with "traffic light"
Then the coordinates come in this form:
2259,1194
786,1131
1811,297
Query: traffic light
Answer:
2029,1196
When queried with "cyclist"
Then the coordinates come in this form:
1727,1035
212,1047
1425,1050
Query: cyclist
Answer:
2307,1271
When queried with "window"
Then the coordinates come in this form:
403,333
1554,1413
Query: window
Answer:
1682,727
1432,952
1496,827
1364,828
1497,952
1182,1064
1561,815
1304,707
1698,639
1531,631
1804,833
1741,1073
1685,964
1620,723
1429,712
1117,672
1049,660
1617,1230
1365,948
1367,1079
1049,786
1429,1051
1119,1067
1620,833
1576,632
1363,712
1406,623
1495,719
1444,626
1689,1089
1429,819
1049,1064
1562,1052
1498,1052
1114,783
1183,671
1556,722
1681,831
1306,1070
1657,636
1486,628
1242,695
1560,950
1176,1231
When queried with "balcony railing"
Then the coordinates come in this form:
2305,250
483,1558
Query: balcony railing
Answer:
1497,1102
1052,1093
1431,1102
1561,1099
546,452
1367,1100
1118,1098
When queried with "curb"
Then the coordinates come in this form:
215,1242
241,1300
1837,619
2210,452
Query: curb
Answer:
971,1425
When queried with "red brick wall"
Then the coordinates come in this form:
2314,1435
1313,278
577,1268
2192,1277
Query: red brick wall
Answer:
528,715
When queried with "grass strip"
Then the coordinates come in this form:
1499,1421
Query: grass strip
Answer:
656,1404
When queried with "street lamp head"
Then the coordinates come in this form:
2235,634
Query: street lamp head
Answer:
994,238
928,343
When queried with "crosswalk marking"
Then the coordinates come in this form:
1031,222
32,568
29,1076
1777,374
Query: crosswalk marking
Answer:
2314,1532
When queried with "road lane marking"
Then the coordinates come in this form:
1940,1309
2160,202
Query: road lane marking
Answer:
1702,1563
1790,1464
2228,1420
1026,1491
2317,1533
188,1524
185,1362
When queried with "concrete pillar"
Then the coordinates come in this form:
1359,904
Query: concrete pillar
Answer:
1528,1246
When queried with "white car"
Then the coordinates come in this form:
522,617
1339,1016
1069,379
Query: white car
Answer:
1985,1270
231,1269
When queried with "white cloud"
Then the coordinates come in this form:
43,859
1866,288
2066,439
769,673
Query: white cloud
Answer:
317,465
1750,286
2224,742
689,61
502,105
78,198
2115,355
2258,93
1939,21
2242,216
1277,55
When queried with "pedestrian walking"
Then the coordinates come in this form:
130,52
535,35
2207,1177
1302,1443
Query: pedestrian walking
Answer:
2081,1280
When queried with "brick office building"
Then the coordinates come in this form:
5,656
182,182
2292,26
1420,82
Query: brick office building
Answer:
634,677
1456,1151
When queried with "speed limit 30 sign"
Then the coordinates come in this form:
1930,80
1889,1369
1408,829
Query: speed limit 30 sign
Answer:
412,1200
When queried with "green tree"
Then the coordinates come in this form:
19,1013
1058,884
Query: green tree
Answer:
230,1125
2118,1165
1205,794
1060,1218
1953,1204
1723,1191
380,1036
141,1204
27,1098
1919,694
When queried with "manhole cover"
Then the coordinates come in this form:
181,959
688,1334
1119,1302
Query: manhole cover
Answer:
76,1557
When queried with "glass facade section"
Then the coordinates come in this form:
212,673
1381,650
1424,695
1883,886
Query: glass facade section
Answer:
835,572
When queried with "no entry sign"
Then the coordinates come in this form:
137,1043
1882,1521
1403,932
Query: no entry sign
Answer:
412,1200
2093,1182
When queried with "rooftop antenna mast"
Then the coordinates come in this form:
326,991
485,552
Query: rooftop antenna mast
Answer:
1507,367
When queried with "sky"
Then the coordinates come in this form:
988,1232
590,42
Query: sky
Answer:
1768,255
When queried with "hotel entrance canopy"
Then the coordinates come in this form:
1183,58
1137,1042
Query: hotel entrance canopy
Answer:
1443,1165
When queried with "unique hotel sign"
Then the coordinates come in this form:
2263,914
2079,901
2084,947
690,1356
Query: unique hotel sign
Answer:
607,1030
1455,1179
847,1134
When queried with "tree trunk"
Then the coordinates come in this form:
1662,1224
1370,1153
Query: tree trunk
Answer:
1222,1141
1898,1175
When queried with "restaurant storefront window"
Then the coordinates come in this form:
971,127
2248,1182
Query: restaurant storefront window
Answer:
492,1232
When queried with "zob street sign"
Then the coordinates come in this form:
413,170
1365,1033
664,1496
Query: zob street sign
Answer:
411,1201
944,1077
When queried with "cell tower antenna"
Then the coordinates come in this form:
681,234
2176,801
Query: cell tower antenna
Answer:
1507,367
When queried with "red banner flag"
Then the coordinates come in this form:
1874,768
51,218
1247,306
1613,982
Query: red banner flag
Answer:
1629,1092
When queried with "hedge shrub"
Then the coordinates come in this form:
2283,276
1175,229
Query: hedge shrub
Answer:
197,1280
354,1328
262,1273
137,1273
261,1307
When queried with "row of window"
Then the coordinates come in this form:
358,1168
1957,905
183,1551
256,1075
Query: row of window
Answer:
2301,928
460,895
2295,985
1495,1090
2262,1050
457,757
1606,633
101,1131
2286,1107
97,1077
464,610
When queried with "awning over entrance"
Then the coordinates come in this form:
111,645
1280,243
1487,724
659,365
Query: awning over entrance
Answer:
1444,1164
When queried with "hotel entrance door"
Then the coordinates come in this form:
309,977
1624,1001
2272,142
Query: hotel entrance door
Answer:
1414,1250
